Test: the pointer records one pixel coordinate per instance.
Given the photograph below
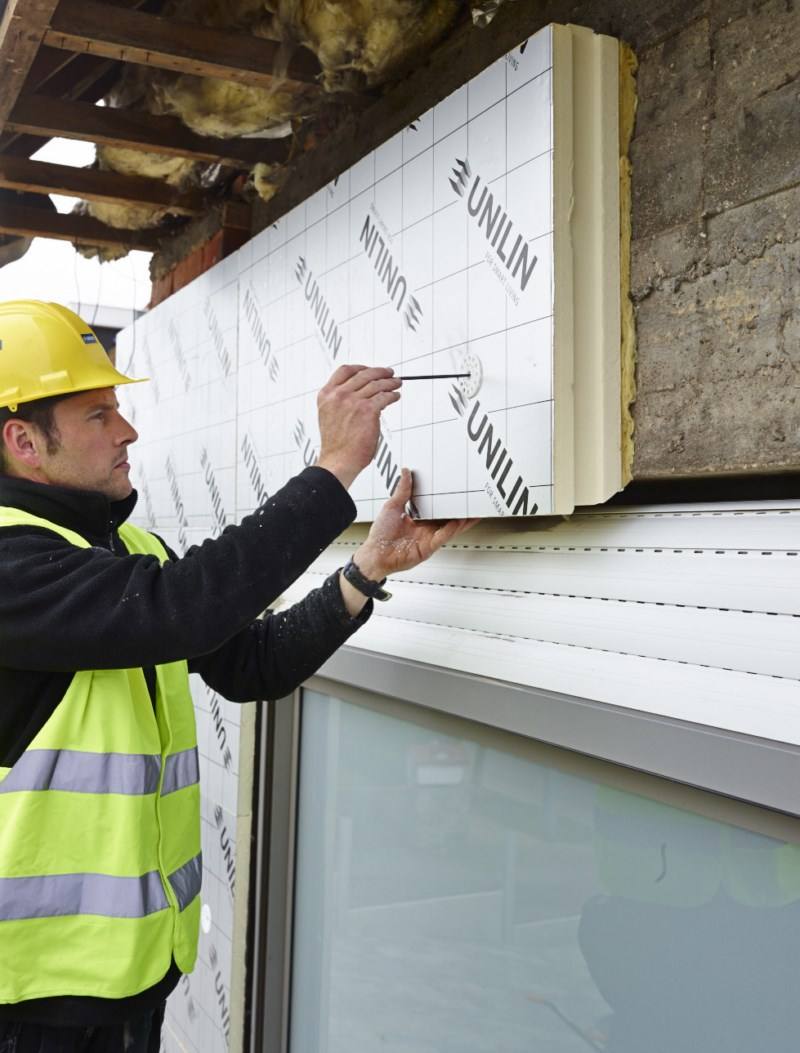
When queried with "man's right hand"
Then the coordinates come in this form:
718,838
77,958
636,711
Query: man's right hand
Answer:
349,409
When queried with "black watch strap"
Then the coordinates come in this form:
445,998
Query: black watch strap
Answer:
373,589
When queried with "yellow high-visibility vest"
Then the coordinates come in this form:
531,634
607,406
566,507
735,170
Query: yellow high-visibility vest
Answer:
100,862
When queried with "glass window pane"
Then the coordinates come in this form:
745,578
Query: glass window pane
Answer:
455,898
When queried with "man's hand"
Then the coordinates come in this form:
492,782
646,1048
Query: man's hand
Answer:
349,408
397,542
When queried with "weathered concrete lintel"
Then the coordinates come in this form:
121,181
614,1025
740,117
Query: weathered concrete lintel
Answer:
724,472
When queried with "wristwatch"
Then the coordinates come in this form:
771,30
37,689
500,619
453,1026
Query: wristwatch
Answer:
373,589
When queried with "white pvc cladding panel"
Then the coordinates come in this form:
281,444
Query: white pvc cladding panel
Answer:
689,613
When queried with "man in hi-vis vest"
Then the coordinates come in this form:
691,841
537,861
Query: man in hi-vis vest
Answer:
100,625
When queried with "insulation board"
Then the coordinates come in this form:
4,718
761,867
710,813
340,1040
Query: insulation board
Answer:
483,239
450,249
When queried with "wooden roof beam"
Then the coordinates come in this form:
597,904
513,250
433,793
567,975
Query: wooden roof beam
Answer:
184,47
43,116
69,76
22,27
85,79
80,230
91,184
51,62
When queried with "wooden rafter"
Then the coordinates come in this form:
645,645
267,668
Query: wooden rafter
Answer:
48,64
51,62
22,27
39,115
41,177
63,74
184,47
85,79
30,222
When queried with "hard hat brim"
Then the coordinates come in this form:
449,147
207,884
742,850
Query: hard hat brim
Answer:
11,403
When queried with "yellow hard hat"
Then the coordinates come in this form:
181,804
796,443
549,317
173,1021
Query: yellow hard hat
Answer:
46,350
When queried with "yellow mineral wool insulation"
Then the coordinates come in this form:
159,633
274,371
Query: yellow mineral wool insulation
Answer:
483,11
173,170
177,171
373,37
266,180
104,253
210,106
627,115
126,217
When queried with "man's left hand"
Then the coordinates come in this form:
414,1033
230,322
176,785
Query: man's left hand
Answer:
397,542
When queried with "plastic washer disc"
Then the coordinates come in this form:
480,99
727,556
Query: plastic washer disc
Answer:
471,385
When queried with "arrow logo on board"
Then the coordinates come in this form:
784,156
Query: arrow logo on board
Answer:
413,313
458,399
462,174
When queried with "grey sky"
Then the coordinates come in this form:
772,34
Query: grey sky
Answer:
53,270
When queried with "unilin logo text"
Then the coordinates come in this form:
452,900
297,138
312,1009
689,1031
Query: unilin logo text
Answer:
221,993
495,223
148,361
226,846
186,987
328,329
253,471
498,460
263,343
307,450
180,511
217,339
218,511
180,357
389,273
150,516
219,727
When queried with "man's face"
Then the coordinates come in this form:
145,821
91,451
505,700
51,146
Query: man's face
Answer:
93,439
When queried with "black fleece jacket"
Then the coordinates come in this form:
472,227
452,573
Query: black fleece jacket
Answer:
64,609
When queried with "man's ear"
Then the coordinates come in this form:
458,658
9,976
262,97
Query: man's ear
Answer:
23,443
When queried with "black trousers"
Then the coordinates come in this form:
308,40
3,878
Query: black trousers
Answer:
140,1035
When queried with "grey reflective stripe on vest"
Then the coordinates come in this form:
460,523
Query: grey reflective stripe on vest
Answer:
186,881
180,770
61,895
79,772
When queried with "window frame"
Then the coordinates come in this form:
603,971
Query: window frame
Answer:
752,770
729,777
